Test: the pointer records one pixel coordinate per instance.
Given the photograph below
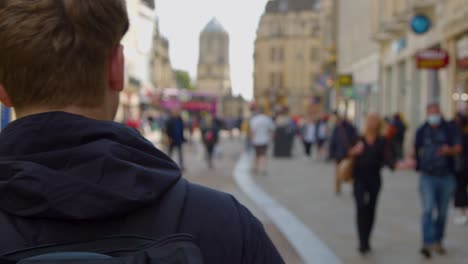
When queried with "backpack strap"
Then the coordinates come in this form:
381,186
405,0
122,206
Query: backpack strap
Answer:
176,248
100,246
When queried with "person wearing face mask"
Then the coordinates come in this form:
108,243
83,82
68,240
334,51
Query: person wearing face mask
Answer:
436,146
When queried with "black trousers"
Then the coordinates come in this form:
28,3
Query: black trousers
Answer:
308,148
180,151
366,194
209,153
461,192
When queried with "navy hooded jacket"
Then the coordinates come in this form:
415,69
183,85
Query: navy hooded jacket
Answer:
66,178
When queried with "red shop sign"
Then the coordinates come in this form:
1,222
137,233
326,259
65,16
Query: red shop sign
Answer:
463,63
434,59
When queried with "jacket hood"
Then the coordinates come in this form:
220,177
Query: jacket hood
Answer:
67,167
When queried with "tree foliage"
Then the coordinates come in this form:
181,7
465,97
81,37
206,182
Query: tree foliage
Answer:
183,79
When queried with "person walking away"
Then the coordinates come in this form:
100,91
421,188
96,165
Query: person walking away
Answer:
436,146
322,136
246,133
72,177
210,134
308,134
285,133
343,137
461,166
399,140
175,133
261,130
134,122
370,154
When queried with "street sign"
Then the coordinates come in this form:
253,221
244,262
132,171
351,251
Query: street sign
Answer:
345,80
420,24
434,59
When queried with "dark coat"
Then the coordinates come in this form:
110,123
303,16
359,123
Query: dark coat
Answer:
66,178
342,139
450,137
176,136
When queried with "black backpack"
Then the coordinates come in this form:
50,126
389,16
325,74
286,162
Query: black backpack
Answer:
173,249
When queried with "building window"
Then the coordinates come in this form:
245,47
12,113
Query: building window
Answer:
280,81
315,29
148,3
277,54
314,54
275,29
272,80
273,54
276,80
281,54
312,80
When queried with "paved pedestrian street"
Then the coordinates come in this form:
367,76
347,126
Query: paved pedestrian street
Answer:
221,179
306,188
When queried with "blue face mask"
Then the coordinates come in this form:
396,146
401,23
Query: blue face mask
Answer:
434,120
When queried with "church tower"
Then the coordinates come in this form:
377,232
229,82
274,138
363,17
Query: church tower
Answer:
213,75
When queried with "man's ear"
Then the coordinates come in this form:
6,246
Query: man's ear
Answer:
115,71
4,98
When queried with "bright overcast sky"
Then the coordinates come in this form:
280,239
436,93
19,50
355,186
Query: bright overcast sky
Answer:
181,21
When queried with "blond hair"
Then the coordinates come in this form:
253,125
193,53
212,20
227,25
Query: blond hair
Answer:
55,53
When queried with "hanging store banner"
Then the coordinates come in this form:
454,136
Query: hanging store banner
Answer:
345,80
433,59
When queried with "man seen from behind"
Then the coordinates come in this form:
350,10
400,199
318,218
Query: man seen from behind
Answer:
67,172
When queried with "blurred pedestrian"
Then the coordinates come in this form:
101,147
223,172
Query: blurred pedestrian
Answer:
461,166
343,138
175,133
389,130
322,136
210,134
261,131
308,135
285,133
436,146
246,132
370,154
134,122
400,133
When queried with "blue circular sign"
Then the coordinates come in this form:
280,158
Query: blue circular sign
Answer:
420,24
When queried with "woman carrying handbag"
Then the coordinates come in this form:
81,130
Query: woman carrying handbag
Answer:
370,155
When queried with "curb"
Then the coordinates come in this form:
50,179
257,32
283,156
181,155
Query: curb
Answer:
307,245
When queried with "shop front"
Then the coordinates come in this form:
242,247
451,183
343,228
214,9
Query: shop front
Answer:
460,95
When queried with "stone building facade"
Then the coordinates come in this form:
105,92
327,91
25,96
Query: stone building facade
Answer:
404,87
358,55
138,53
213,74
162,73
289,54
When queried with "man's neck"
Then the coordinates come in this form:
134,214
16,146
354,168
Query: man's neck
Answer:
93,113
